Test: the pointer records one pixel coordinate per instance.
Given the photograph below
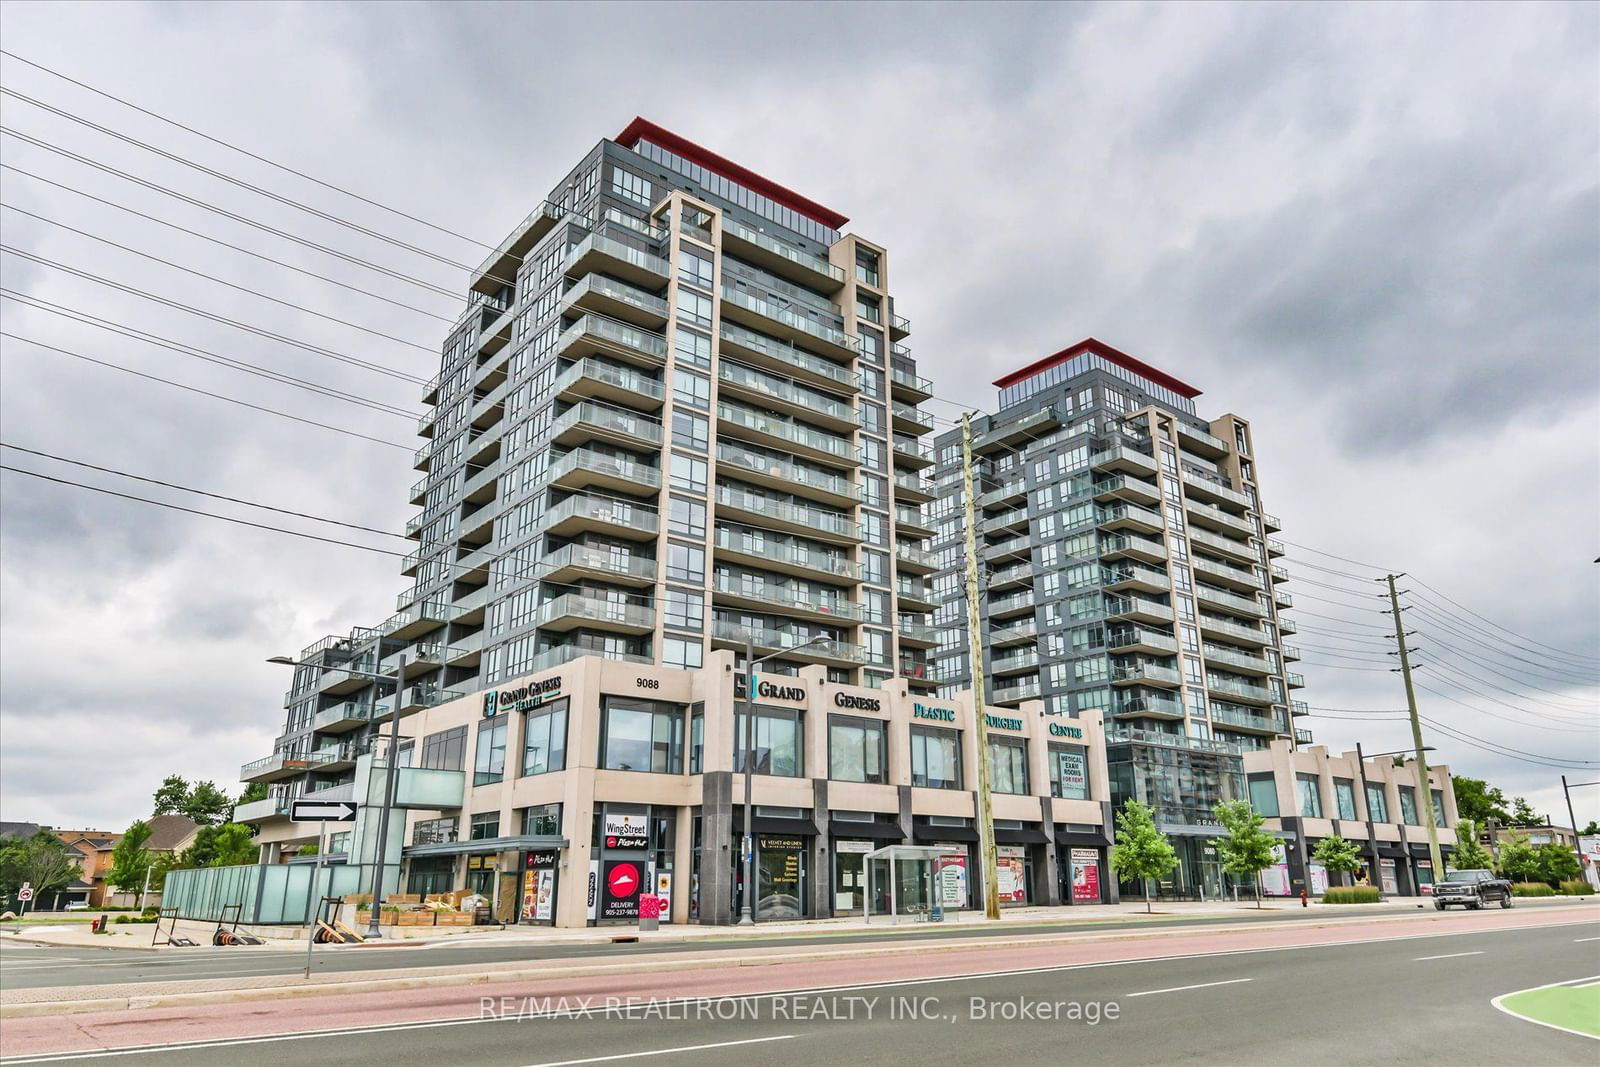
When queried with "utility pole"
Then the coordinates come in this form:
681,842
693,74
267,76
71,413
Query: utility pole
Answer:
991,864
1372,834
747,911
1423,784
390,778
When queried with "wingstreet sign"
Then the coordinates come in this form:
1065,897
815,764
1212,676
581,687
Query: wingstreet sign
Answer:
322,811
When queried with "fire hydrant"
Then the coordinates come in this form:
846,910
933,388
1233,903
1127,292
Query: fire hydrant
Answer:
1304,900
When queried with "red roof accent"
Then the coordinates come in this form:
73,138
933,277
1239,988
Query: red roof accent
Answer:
643,129
1105,351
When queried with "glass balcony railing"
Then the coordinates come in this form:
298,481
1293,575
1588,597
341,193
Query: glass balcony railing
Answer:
780,248
824,521
1130,636
913,382
598,559
789,431
1222,598
620,334
595,371
601,463
775,467
784,390
1144,672
791,319
623,252
766,639
607,419
622,293
1234,687
783,551
1232,657
604,509
596,609
783,597
785,352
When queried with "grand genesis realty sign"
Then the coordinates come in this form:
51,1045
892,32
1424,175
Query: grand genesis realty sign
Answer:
520,699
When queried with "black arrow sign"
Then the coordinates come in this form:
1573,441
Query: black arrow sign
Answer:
322,811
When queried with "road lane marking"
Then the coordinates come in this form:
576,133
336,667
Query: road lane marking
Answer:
1182,988
1446,956
1581,983
1581,940
665,1051
469,1020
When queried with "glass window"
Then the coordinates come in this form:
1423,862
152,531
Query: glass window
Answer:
778,745
544,739
1438,807
686,516
694,307
1310,796
690,430
691,347
935,758
688,473
490,758
1008,765
543,819
685,609
691,389
694,269
1344,796
855,750
1408,806
1377,804
686,653
686,563
1264,795
1069,772
445,750
641,735
485,824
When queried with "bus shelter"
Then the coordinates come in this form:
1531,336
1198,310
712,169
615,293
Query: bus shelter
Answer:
912,874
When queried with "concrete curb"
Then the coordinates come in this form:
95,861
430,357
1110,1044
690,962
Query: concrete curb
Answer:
26,940
524,974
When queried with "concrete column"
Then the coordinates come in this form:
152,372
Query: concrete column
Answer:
821,853
682,864
718,849
1047,888
1108,878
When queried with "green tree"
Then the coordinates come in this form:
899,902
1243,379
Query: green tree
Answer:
1477,800
166,861
1470,856
1592,830
1142,852
1522,814
1518,861
227,845
42,861
1557,864
208,805
130,860
172,797
1248,849
1337,855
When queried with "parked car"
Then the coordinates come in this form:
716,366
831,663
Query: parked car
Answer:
1471,889
77,905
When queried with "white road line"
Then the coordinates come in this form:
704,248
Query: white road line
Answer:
470,1020
1446,956
1581,940
1182,988
664,1051
1495,1003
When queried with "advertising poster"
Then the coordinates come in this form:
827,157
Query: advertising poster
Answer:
1275,879
627,831
1085,876
1319,878
952,879
620,890
594,890
1391,882
1074,775
1012,882
664,892
530,890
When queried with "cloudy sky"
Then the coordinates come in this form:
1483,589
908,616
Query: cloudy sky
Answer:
1374,231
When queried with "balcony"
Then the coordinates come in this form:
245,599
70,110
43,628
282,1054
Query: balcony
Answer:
1018,431
1025,632
1007,549
582,514
913,488
268,809
500,268
576,563
786,557
908,419
1216,519
583,468
1290,652
781,258
1236,578
783,357
1014,574
1240,690
1129,517
739,421
1138,639
607,255
1146,673
590,379
899,327
1275,547
616,300
909,452
917,633
1123,459
1242,719
418,619
780,515
493,337
1234,549
1302,737
593,335
1217,626
916,668
909,387
561,655
1137,609
914,560
1234,660
779,473
1016,663
1213,491
422,457
1124,546
1027,689
1014,604
1271,523
483,446
1280,574
1142,579
779,394
1221,598
1296,681
572,610
281,765
1200,442
914,593
1282,599
1014,521
732,635
1126,488
340,718
789,325
1287,625
1150,706
910,522
587,421
1014,491
772,596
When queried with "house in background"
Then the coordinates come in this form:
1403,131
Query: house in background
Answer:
94,848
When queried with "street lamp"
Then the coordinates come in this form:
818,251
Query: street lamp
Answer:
1372,834
746,915
389,777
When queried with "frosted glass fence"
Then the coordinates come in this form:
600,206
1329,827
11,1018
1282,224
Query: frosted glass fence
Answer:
266,893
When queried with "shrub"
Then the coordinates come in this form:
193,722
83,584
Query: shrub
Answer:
1531,889
1577,887
1351,894
120,919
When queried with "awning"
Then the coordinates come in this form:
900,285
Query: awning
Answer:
519,843
877,831
1021,837
1422,850
943,833
767,824
1081,840
1393,852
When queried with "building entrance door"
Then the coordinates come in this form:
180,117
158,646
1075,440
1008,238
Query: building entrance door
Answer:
780,877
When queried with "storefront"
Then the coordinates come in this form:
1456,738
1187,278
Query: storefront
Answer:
959,865
784,846
632,857
853,836
1019,859
1081,871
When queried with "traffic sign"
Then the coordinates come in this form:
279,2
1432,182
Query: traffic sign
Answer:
25,894
322,811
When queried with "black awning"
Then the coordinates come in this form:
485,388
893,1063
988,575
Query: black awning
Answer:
1021,837
1422,850
1081,840
1393,852
933,834
878,831
766,824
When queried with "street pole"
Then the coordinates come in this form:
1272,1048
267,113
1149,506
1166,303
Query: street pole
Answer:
146,889
1372,833
746,912
1423,784
390,775
991,863
1577,845
315,901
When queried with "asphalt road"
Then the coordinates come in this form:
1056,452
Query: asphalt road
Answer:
1422,999
24,966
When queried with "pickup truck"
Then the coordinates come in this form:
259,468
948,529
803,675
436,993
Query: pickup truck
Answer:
1473,889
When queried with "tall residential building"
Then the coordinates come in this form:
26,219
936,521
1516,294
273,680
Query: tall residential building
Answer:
674,414
1125,562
